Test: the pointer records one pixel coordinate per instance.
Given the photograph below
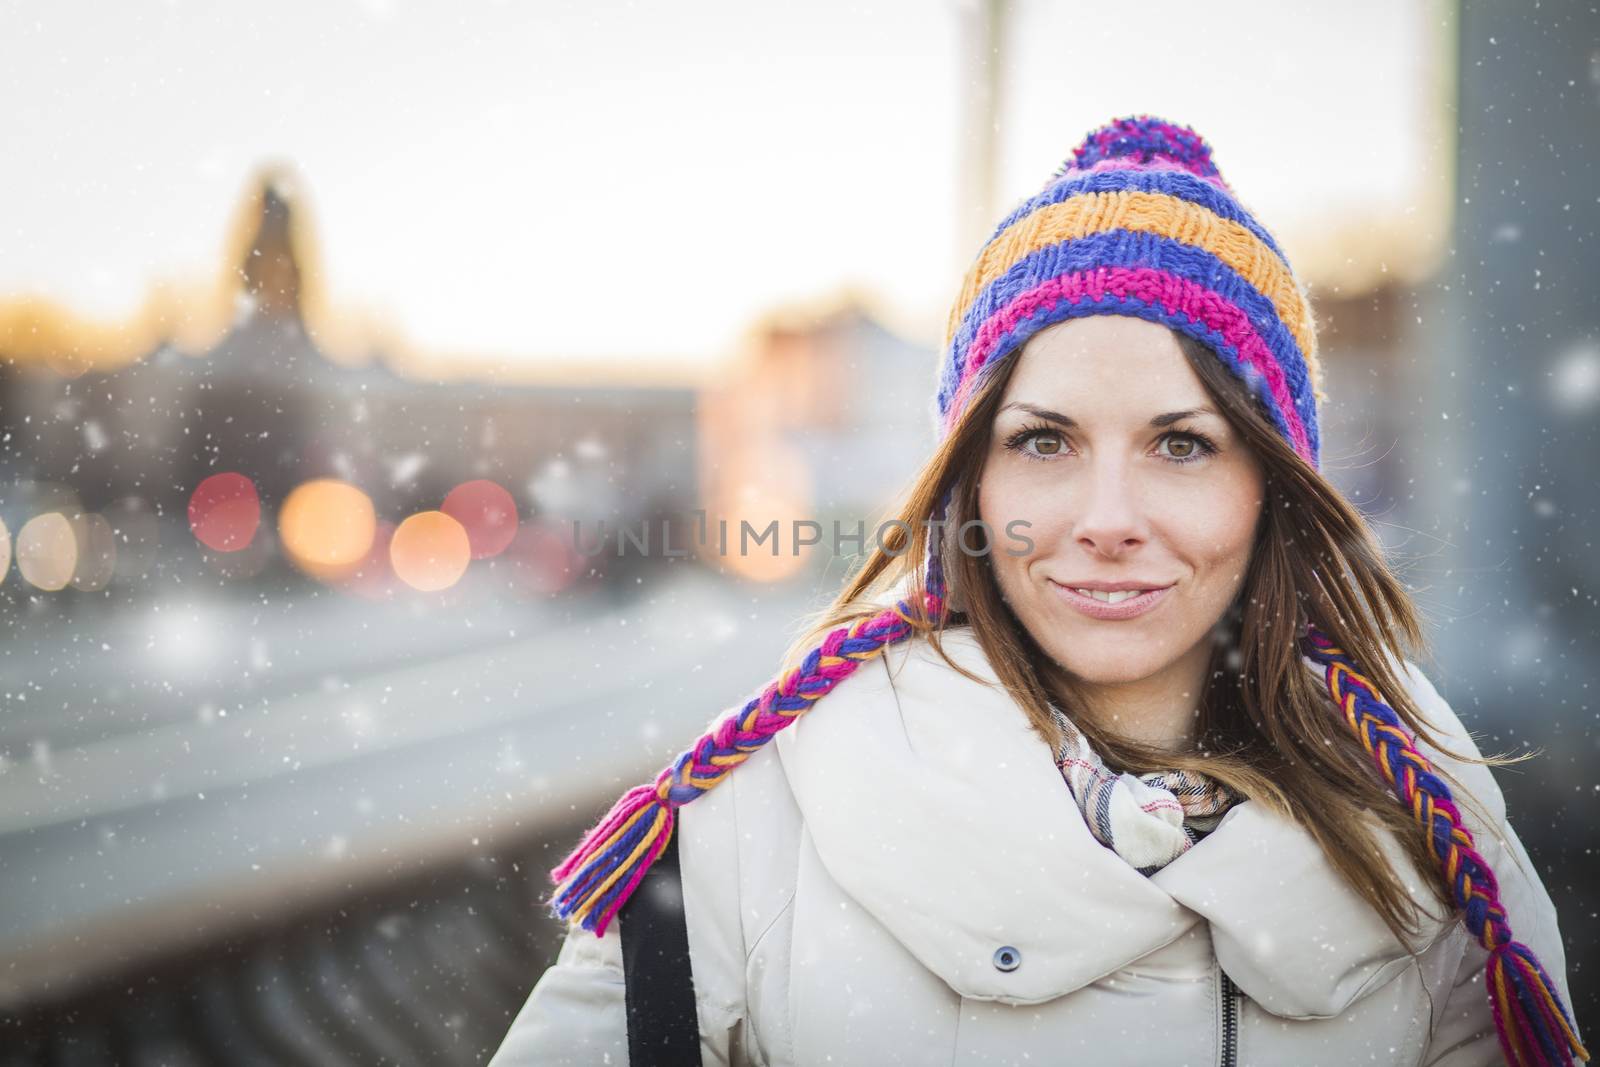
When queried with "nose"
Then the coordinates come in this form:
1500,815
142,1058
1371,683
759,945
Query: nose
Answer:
1110,518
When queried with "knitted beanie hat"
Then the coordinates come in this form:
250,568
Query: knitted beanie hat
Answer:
1138,221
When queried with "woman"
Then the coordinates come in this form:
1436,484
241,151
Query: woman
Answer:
1045,815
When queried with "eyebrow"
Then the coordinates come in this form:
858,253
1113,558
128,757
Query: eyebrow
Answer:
1070,423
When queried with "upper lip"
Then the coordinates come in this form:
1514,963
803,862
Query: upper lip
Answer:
1115,587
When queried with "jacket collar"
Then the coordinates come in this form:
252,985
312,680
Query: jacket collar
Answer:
932,802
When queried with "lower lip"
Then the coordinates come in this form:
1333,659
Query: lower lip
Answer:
1099,609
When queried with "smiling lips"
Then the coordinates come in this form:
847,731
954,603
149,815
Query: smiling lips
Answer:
1112,601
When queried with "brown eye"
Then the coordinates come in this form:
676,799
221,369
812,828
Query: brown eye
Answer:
1037,442
1188,447
1047,444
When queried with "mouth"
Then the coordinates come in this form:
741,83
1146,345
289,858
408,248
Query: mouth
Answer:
1121,604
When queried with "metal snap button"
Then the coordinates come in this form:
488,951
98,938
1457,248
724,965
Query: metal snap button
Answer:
1007,958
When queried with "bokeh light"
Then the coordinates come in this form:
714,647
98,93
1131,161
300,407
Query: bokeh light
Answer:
430,551
487,512
47,551
97,552
543,560
5,551
225,511
326,527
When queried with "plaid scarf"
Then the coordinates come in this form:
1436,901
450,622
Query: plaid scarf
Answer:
1149,819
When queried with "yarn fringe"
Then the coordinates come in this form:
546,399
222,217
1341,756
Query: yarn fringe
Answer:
1534,1026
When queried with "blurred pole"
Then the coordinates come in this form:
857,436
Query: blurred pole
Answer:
1511,451
1507,447
982,33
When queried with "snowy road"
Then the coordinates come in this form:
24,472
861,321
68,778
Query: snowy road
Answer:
362,753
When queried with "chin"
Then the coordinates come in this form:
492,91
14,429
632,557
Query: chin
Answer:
1111,656
1110,670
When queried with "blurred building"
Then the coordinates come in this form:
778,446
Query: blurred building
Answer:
266,401
825,415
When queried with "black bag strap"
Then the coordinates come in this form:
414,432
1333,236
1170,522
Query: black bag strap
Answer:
663,1029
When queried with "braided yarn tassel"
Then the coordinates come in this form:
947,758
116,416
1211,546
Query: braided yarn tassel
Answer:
1534,1027
607,866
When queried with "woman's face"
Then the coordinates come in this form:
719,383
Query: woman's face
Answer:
1109,449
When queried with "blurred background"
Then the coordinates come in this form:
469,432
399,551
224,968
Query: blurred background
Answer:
325,328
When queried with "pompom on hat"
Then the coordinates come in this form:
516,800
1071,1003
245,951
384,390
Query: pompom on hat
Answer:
1139,222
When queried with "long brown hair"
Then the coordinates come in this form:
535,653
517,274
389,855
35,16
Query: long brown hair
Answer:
1268,728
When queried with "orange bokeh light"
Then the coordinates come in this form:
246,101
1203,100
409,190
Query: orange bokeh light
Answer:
47,551
430,551
326,527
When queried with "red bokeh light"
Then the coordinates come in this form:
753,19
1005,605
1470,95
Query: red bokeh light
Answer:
543,560
488,513
225,512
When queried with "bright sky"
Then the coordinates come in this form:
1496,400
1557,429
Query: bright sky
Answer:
598,179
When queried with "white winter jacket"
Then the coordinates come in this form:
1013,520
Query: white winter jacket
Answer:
847,892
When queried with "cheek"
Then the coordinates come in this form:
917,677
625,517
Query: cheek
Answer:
1006,495
1221,533
996,499
1002,501
1012,488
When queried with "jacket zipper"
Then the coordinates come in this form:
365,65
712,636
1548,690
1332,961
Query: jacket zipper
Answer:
1230,1020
